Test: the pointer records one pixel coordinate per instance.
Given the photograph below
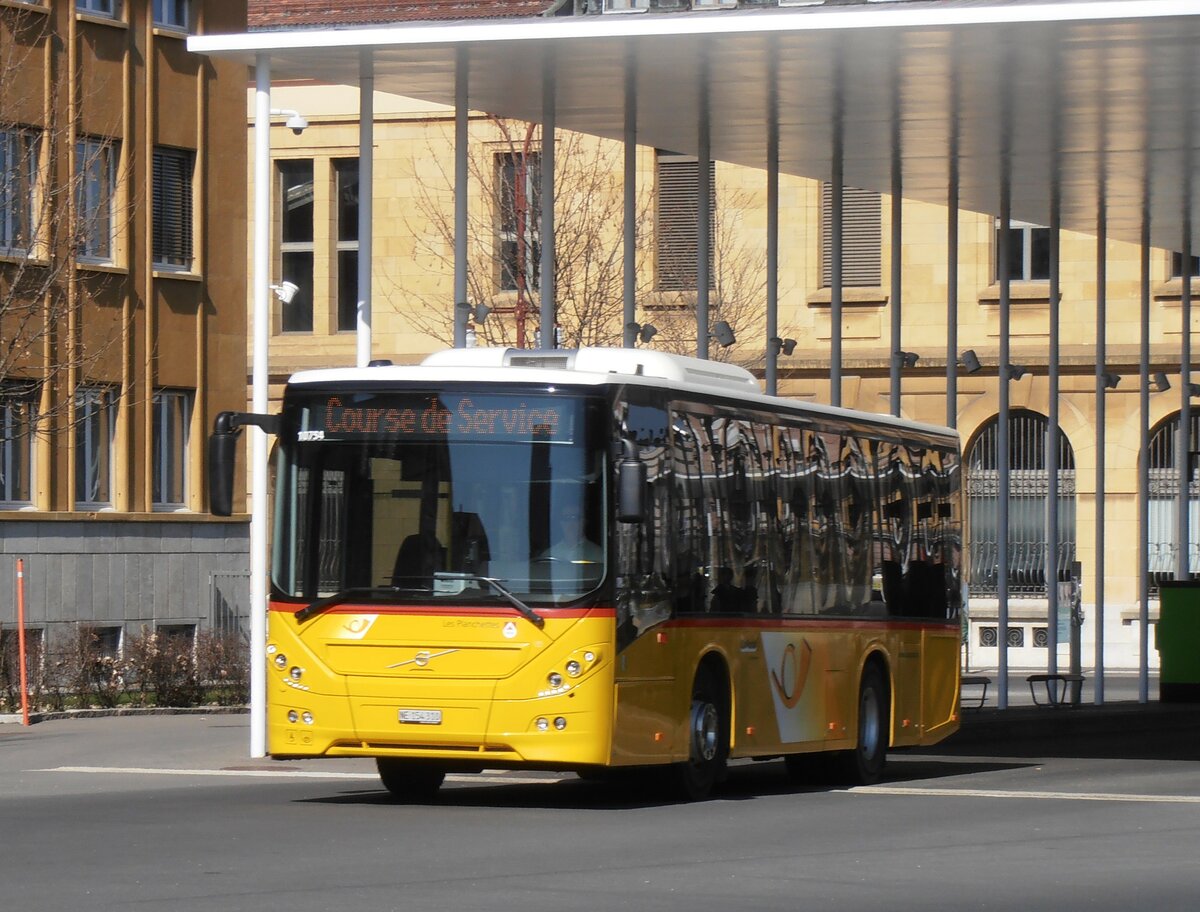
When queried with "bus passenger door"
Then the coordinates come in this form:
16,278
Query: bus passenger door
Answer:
646,727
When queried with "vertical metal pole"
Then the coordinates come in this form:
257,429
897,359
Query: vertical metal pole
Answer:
462,75
703,213
546,229
366,199
259,373
836,188
1101,411
1143,488
773,349
952,275
629,250
1183,441
897,250
1002,460
1052,434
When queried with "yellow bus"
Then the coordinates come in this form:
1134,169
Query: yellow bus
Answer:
596,559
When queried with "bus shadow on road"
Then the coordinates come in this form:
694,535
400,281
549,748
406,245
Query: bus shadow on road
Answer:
746,782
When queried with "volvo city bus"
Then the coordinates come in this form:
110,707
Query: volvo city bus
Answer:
601,559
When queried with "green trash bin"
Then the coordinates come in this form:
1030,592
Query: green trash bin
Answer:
1177,638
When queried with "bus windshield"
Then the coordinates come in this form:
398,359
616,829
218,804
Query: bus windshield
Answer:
426,495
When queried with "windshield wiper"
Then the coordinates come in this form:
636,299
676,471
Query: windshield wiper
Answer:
524,610
339,598
346,595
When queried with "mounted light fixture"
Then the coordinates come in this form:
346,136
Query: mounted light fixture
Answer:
1110,379
970,361
1017,371
908,359
781,346
296,122
476,314
644,331
285,291
1161,383
723,333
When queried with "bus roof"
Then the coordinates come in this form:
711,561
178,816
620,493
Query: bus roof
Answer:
592,366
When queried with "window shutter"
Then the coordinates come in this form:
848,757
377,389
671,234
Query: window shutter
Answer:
678,248
172,210
861,224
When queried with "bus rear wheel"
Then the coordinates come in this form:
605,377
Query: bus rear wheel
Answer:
409,781
864,764
708,738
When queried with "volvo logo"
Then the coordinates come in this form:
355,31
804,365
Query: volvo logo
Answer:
422,658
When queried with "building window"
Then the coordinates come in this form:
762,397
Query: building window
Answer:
346,177
1162,542
1028,252
96,175
296,241
1177,266
95,436
1028,474
101,7
172,418
18,416
18,189
861,221
171,13
518,238
677,247
172,213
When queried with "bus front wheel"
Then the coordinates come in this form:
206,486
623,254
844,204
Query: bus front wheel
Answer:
708,738
409,781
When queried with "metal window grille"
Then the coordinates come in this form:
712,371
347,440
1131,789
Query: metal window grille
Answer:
861,225
1028,484
1161,542
677,236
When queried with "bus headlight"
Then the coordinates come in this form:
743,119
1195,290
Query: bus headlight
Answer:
293,716
296,673
543,724
554,679
573,668
280,661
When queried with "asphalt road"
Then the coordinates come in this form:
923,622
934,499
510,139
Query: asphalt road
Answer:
1059,810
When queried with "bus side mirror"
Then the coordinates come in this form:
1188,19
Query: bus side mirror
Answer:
631,485
222,456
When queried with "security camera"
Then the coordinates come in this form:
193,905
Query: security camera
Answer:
285,291
297,124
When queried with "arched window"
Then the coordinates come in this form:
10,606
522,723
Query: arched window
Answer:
1029,478
1164,492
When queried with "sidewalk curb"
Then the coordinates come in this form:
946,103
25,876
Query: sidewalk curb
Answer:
991,726
35,717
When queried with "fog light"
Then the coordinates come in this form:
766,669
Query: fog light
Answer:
307,717
573,668
281,661
554,679
542,724
293,716
297,673
560,723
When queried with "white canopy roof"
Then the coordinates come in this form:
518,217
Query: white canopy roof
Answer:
1092,97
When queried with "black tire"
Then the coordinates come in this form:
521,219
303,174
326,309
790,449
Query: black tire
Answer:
409,781
864,764
708,738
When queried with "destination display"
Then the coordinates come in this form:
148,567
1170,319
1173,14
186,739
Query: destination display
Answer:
458,416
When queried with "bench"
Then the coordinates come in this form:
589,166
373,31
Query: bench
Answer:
980,681
1061,689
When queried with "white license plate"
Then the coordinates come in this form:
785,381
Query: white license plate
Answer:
421,716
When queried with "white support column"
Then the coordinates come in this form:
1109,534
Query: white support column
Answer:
549,317
366,196
260,364
461,305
